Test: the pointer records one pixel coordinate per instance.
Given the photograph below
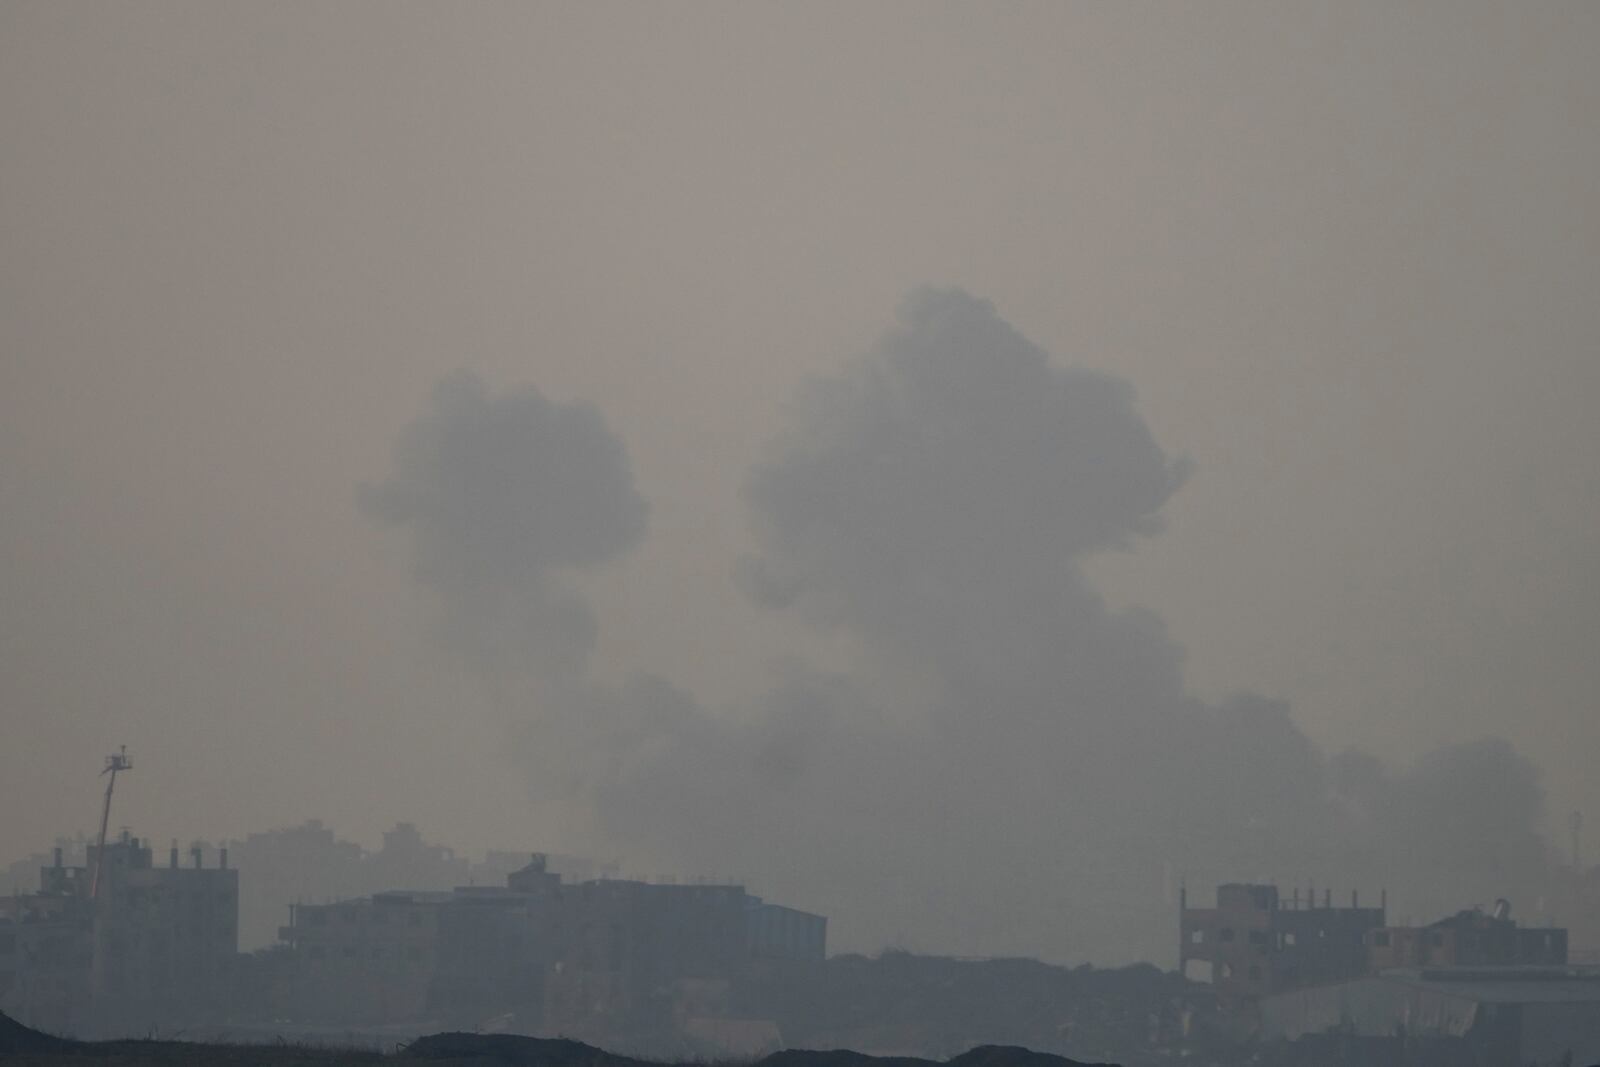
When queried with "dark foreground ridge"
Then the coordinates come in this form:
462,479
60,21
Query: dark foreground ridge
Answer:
21,1045
513,1050
19,1040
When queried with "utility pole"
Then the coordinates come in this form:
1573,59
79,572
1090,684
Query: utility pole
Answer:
114,763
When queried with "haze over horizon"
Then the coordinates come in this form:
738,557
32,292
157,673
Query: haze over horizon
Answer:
863,449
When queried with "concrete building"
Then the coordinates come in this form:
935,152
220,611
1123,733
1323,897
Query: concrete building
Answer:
631,957
1467,939
1254,942
605,958
46,954
148,947
777,932
366,961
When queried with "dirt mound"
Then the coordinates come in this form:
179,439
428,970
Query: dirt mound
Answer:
1013,1056
515,1050
16,1039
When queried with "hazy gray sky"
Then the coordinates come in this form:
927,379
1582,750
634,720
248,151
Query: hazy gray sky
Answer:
1346,254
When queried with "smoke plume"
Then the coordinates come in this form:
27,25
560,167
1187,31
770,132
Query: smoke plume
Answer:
505,497
1010,766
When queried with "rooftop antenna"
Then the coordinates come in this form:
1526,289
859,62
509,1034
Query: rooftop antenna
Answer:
114,763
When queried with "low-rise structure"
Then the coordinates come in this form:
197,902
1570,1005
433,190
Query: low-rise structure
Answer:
1470,938
1540,1016
602,957
1255,943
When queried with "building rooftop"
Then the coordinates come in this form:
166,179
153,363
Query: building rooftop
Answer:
1504,985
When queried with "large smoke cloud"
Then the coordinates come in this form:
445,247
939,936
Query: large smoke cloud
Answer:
1012,767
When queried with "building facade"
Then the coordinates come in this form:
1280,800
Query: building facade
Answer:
138,948
609,957
1468,939
1254,943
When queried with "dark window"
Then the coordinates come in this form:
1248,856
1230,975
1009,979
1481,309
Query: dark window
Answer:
1227,933
316,952
1258,937
1255,974
1381,939
1436,939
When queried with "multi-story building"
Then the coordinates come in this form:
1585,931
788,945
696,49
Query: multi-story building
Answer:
365,961
130,949
1256,944
599,957
46,952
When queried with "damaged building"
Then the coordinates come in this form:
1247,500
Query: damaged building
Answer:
1470,938
1255,943
1346,987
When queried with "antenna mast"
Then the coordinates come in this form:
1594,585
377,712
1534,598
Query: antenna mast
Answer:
114,763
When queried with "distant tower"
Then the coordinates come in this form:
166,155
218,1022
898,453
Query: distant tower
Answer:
118,761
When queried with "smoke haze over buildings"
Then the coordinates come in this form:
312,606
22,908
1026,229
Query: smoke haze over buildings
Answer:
1003,739
498,418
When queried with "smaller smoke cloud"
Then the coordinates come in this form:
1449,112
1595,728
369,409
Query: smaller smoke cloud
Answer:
503,495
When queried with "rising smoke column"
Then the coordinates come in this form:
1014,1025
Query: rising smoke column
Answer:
1031,767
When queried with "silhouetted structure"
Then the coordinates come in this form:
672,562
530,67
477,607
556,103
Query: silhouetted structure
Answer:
1255,942
607,957
1470,938
1258,944
1539,1016
156,944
